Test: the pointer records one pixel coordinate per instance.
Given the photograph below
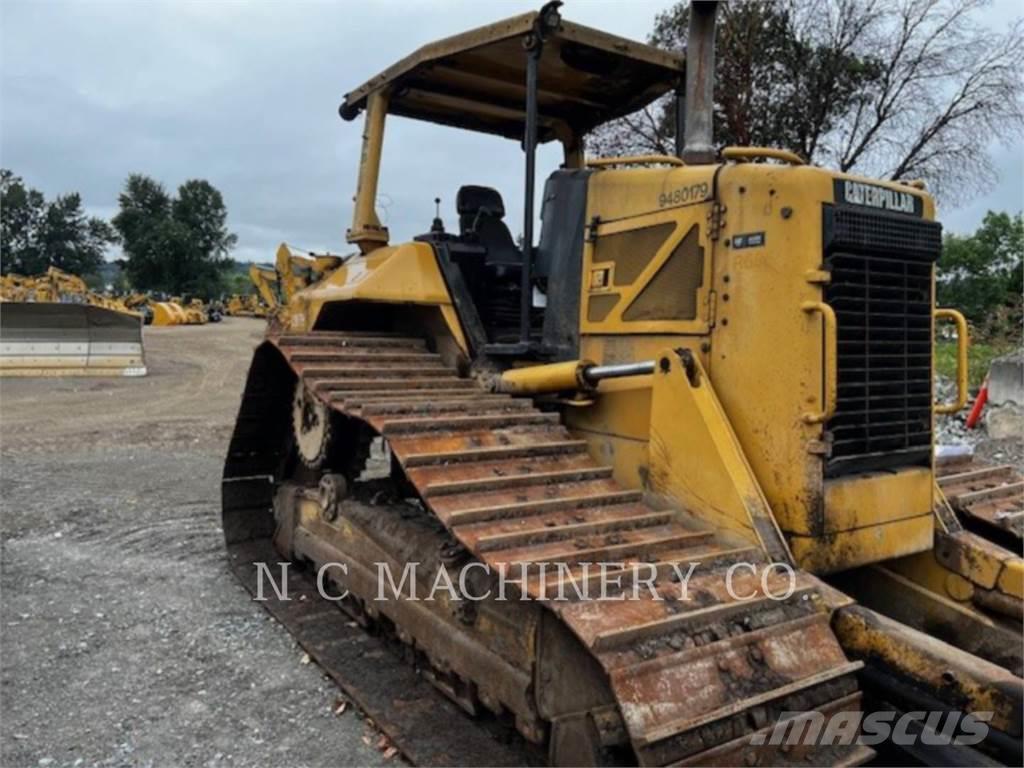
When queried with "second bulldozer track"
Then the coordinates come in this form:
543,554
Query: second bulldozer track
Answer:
992,495
694,676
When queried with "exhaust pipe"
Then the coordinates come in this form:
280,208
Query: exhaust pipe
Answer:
700,83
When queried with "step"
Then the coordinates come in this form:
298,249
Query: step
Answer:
708,555
460,423
362,356
345,340
483,402
739,751
353,334
366,398
680,726
677,665
495,483
976,475
548,534
691,621
398,371
641,545
521,509
495,452
389,384
988,494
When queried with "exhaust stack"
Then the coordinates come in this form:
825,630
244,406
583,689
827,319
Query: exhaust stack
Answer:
700,83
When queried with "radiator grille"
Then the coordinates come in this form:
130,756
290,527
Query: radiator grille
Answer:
881,267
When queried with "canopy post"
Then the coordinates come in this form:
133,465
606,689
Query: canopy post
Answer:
530,148
548,20
367,232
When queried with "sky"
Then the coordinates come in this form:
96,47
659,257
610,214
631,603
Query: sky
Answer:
245,95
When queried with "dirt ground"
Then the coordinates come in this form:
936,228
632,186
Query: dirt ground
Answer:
123,637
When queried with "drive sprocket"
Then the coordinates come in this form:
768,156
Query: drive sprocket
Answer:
311,426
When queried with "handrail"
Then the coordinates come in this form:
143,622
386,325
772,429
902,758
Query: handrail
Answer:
831,396
603,162
753,153
962,341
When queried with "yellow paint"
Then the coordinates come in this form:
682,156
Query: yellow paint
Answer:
264,278
627,193
831,395
168,313
247,305
755,153
962,342
963,563
605,162
924,570
636,184
957,587
848,549
537,379
696,461
403,274
367,232
762,334
1011,580
860,501
982,687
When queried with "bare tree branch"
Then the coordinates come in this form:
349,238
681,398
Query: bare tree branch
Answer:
889,88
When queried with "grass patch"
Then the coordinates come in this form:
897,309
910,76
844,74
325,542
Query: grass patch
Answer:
979,356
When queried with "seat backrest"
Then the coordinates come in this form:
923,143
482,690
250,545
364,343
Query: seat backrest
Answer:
481,211
473,201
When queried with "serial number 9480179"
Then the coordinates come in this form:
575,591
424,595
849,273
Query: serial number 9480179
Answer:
682,195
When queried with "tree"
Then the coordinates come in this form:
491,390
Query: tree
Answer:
982,274
902,89
69,239
35,235
238,280
176,245
21,209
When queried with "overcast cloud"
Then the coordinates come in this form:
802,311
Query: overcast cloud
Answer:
246,94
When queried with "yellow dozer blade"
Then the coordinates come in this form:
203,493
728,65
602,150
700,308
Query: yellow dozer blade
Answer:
51,339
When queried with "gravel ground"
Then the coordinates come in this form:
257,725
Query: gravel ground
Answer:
952,431
125,640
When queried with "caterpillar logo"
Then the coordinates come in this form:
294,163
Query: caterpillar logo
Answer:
874,196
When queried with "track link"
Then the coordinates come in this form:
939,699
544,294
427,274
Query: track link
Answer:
694,671
989,495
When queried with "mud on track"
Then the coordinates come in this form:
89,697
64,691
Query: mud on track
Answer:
125,639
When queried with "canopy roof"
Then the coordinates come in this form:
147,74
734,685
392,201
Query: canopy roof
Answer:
477,80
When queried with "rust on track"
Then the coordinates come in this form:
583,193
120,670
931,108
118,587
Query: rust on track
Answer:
692,673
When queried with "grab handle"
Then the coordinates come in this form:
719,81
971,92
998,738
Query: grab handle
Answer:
604,162
831,361
753,153
961,360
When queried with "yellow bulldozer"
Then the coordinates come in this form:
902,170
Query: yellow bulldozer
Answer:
245,305
711,374
292,271
172,311
54,325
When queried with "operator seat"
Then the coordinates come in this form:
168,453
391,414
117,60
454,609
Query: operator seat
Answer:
481,213
493,276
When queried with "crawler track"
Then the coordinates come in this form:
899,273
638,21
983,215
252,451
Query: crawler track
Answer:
989,498
692,676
